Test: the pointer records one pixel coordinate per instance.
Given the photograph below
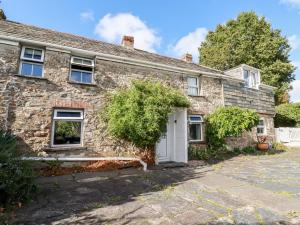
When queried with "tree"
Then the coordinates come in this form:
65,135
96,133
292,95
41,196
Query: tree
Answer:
287,115
139,113
251,40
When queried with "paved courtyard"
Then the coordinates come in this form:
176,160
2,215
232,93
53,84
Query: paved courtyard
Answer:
242,190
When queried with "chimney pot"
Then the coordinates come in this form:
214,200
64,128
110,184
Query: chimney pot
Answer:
128,41
187,57
2,15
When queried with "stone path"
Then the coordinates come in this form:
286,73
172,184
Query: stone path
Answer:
242,190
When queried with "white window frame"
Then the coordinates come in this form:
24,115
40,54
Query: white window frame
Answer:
196,122
29,62
69,119
84,65
193,86
81,64
264,127
250,82
30,59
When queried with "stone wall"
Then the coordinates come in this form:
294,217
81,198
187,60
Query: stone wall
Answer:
262,100
250,138
27,104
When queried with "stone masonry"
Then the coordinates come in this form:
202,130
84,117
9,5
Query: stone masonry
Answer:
27,104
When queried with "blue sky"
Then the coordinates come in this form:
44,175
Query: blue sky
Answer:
166,27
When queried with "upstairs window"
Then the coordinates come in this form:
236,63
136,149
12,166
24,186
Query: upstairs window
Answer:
195,128
32,60
251,78
261,127
82,70
193,86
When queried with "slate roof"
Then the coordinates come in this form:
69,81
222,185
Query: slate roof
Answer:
19,30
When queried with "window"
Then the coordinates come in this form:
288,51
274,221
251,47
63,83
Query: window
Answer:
251,78
32,62
67,127
82,70
261,127
193,86
195,128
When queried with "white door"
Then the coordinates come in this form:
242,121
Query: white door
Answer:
162,152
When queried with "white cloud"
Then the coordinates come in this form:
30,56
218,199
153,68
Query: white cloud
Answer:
87,16
293,3
190,43
295,93
112,28
294,41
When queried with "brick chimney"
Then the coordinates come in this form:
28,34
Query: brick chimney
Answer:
128,41
2,15
187,57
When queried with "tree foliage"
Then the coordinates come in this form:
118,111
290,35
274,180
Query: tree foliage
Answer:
251,40
139,114
287,115
229,121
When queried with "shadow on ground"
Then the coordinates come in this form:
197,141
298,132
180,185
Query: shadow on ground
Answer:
66,196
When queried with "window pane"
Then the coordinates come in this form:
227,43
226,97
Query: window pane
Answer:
87,62
86,77
28,53
67,132
37,70
77,60
192,81
37,54
26,69
196,118
246,78
260,130
261,123
195,131
68,114
76,76
192,91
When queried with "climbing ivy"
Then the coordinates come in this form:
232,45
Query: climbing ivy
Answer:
228,121
139,113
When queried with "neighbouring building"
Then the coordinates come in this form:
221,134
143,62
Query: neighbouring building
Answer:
54,85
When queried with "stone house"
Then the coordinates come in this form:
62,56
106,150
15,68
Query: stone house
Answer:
53,86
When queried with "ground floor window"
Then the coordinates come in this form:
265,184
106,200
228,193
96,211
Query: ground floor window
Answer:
261,127
67,127
195,128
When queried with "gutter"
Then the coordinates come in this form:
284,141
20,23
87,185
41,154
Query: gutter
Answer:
83,159
114,58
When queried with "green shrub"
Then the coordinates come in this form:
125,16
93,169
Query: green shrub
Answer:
279,146
16,176
195,153
228,121
139,114
287,115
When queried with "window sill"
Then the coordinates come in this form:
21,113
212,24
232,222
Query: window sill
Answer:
87,84
31,77
64,148
197,142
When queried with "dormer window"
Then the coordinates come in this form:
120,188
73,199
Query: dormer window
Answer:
32,60
82,70
251,78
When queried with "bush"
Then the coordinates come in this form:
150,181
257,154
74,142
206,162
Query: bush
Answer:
195,153
139,114
228,121
287,115
279,146
16,176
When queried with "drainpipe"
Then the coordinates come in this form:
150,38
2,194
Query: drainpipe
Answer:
81,159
